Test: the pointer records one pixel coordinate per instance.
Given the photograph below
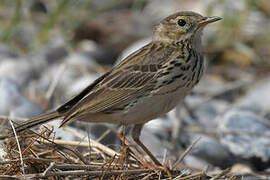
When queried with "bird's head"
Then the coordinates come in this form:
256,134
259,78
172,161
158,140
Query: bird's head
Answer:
181,26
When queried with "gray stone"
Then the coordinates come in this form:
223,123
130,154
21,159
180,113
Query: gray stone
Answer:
244,129
55,50
212,151
13,103
258,97
245,134
206,113
195,162
22,70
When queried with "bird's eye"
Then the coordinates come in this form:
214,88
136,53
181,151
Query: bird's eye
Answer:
181,22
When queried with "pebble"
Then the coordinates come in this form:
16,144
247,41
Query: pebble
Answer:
22,70
14,103
245,130
212,151
55,50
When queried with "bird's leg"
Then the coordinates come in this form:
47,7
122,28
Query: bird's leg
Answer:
121,136
136,132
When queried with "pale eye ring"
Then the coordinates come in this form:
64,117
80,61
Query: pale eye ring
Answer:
181,22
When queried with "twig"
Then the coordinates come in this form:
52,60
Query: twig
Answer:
98,145
188,150
198,175
9,177
148,176
25,159
184,172
82,144
64,166
89,147
7,118
164,157
49,168
103,135
75,152
224,172
82,172
19,147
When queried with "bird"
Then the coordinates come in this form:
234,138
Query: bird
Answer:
145,85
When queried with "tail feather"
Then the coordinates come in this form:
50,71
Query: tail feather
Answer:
37,121
34,122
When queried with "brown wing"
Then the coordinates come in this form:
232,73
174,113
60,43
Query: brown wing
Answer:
132,78
118,88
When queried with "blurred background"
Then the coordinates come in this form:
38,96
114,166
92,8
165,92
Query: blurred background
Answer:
50,50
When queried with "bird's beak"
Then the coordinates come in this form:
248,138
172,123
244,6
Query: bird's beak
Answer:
208,20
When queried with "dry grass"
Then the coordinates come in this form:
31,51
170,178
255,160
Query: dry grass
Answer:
42,156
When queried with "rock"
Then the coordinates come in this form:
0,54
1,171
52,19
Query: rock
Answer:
13,103
245,134
258,98
244,130
207,112
197,163
55,50
213,152
22,70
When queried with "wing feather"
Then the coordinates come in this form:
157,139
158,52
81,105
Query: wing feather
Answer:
132,78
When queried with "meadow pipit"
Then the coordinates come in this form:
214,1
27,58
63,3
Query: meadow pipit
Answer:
148,83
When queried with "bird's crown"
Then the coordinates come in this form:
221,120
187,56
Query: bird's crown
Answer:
181,25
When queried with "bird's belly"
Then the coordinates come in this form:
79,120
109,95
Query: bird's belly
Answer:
143,110
149,108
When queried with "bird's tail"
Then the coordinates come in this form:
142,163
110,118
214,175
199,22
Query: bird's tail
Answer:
37,121
34,122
